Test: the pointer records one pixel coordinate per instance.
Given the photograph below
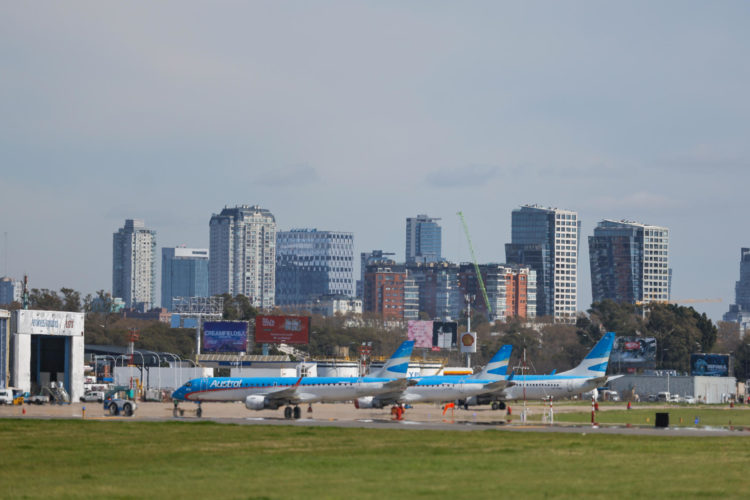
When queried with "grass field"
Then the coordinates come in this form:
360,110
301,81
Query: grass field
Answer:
41,459
679,416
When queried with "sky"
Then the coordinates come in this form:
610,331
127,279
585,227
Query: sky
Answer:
352,116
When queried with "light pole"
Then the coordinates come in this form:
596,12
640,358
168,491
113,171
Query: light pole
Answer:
158,367
174,373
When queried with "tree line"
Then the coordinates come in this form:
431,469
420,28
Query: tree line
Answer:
678,330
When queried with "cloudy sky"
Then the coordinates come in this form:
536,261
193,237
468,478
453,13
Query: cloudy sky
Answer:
353,116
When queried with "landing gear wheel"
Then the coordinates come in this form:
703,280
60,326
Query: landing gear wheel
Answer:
494,405
199,412
288,412
297,413
176,412
501,405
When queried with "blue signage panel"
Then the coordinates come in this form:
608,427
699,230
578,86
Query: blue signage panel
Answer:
716,365
225,336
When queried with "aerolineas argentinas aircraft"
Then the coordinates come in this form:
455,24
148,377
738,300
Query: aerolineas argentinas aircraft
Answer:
448,388
588,375
260,393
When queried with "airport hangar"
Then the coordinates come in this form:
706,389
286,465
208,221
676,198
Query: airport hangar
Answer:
39,347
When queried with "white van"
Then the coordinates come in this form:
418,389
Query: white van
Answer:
663,397
6,396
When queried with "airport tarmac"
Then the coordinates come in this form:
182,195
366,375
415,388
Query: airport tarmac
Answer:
421,417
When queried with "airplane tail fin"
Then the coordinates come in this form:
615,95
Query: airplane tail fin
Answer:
398,364
595,362
497,368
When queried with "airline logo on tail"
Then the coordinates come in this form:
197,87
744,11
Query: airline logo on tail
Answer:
498,365
398,364
595,363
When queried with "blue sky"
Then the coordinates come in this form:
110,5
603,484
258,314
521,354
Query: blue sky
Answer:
353,116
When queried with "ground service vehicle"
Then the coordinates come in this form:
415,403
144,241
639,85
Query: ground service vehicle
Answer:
97,396
6,396
117,402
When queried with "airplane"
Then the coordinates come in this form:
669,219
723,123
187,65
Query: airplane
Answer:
589,374
443,388
260,393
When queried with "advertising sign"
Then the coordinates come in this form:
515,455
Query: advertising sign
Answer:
444,334
48,322
420,332
710,365
282,329
225,336
633,353
468,342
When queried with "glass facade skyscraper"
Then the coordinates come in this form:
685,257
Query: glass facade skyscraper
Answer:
312,263
423,239
546,240
739,312
184,273
629,262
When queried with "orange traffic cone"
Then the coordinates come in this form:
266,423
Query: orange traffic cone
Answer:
629,407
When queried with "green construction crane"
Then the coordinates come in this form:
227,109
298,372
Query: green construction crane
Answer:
476,266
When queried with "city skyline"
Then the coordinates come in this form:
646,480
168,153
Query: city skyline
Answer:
362,115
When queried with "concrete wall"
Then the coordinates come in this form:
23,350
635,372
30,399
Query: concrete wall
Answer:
21,362
709,389
76,369
169,378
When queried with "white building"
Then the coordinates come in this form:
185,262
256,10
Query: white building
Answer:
243,254
134,265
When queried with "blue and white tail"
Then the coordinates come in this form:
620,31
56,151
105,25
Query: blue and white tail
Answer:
497,368
398,364
595,362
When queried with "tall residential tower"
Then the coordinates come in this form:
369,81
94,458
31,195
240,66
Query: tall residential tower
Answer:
243,254
629,262
546,240
134,265
423,239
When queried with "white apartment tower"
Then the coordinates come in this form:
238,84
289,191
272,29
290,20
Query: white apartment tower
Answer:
134,265
242,252
546,240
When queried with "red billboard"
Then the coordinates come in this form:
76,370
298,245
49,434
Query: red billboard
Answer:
282,329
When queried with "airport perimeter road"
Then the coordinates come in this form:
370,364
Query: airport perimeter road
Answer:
421,417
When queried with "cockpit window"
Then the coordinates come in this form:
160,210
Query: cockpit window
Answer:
187,384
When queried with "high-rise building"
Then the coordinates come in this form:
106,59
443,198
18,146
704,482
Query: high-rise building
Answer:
739,312
440,296
384,290
365,259
184,273
423,239
243,254
511,290
629,262
134,265
312,263
546,240
10,290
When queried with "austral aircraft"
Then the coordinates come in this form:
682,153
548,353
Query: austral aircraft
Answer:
260,393
589,374
448,387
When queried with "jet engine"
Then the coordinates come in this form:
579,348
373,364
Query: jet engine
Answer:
367,402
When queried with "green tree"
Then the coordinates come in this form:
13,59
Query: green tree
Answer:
45,299
71,300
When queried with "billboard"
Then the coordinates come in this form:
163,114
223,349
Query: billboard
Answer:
48,323
633,353
282,329
468,342
225,336
420,332
444,334
710,365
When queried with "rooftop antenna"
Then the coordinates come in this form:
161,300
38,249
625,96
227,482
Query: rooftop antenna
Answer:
5,253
